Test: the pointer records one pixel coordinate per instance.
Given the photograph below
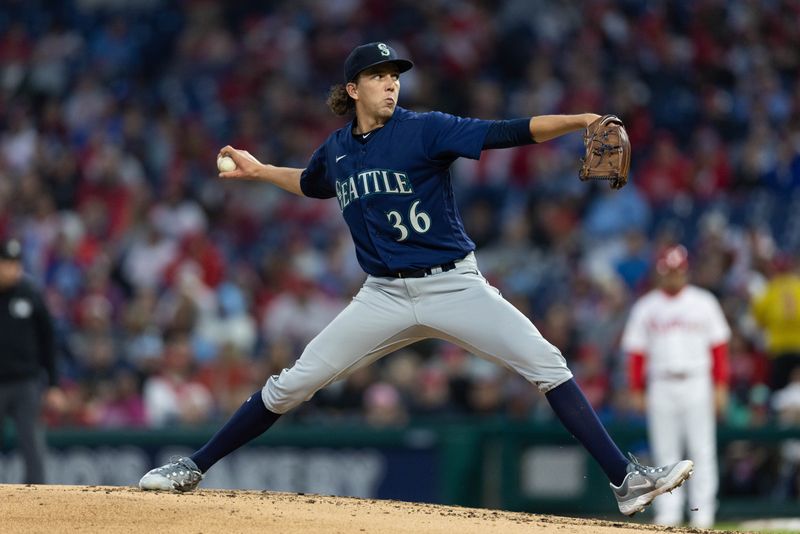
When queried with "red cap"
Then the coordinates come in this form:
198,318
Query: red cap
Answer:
674,258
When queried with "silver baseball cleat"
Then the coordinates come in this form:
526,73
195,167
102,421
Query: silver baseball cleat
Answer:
180,474
642,484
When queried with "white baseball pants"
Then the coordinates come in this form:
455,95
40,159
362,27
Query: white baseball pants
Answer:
680,417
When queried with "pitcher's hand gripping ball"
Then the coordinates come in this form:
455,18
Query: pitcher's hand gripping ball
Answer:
226,164
608,152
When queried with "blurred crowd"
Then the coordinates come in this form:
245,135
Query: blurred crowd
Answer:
176,295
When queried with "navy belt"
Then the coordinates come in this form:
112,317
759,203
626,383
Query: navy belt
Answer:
422,273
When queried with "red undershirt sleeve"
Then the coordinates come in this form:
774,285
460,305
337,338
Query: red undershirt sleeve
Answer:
720,369
636,371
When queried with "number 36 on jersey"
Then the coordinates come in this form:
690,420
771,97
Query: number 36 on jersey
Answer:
382,181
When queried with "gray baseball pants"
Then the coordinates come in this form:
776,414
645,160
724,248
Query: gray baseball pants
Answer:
387,314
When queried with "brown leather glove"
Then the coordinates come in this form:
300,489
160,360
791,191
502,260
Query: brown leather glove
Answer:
608,152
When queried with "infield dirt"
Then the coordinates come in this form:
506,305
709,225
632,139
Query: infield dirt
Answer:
97,509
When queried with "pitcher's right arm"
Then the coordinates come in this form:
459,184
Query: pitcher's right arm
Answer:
249,168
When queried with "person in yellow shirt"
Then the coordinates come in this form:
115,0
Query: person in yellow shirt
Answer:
777,312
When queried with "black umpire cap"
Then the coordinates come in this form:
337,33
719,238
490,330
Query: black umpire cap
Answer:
10,249
371,54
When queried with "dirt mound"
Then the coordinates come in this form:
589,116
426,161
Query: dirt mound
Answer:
96,509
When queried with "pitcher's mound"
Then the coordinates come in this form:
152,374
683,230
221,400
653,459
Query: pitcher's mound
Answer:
97,509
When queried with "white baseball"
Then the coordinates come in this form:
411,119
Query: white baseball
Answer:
225,164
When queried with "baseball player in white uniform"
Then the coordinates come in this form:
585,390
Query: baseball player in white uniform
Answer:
678,337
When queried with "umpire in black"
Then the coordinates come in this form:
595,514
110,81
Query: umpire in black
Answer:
27,354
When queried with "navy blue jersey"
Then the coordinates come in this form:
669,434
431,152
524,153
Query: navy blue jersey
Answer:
394,188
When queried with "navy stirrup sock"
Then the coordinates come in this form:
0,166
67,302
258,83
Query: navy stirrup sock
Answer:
250,421
577,415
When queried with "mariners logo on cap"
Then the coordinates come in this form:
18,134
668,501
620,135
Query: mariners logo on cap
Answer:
369,55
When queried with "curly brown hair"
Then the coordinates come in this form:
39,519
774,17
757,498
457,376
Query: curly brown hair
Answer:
339,101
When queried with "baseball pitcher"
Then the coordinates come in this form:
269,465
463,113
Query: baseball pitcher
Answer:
677,333
389,171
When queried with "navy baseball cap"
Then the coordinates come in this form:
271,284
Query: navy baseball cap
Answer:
10,249
371,54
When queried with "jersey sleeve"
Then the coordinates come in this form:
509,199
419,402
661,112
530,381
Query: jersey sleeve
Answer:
636,371
719,331
449,137
634,336
313,180
508,133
